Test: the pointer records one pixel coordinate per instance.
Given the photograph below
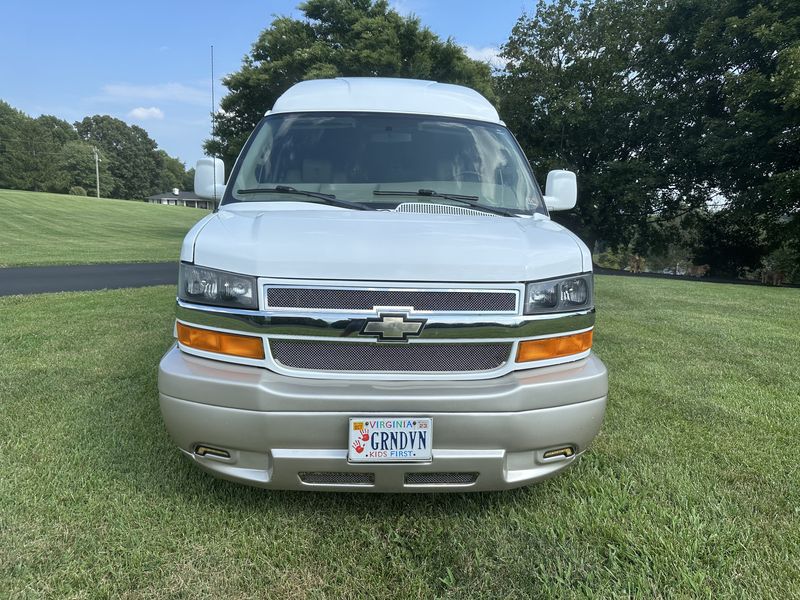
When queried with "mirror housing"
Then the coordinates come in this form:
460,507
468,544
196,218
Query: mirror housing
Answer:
561,190
206,173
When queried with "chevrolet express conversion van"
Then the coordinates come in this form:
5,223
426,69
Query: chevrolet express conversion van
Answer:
382,303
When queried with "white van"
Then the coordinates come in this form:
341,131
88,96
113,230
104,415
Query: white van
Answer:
382,303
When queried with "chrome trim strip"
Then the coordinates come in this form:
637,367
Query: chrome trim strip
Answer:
310,324
269,363
422,286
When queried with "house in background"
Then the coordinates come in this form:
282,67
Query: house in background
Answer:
181,198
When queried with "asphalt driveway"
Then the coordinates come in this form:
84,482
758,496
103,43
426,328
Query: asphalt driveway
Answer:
70,278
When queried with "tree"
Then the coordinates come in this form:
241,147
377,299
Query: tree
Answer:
132,158
171,172
16,160
29,148
76,168
335,38
729,244
50,135
732,69
188,180
664,108
49,154
783,261
573,94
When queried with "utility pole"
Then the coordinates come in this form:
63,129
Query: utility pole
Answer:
213,125
97,169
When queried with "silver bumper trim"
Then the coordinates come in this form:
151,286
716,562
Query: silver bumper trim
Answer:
503,449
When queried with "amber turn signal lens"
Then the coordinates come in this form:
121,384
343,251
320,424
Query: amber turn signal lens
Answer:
554,347
245,346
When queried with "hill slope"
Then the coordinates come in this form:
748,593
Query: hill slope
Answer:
54,229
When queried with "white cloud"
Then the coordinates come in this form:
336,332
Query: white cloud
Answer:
171,92
140,113
488,54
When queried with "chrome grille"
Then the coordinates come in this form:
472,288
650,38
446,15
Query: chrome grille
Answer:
406,358
336,478
454,478
366,299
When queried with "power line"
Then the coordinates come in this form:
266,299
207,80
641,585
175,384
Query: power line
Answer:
31,143
27,151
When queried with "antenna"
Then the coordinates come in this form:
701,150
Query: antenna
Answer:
213,126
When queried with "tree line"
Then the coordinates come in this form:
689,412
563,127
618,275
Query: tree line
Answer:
48,154
681,117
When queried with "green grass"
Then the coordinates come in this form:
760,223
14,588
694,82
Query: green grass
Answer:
53,229
691,490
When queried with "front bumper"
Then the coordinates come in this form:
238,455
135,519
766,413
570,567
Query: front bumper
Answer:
284,432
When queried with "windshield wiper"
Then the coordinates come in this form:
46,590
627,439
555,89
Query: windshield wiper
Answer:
324,198
473,201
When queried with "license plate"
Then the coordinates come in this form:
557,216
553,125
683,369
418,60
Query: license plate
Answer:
390,439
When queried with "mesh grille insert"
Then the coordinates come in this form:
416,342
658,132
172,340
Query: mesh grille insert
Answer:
337,478
424,358
454,478
366,299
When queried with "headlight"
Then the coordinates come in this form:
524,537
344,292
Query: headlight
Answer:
220,288
559,295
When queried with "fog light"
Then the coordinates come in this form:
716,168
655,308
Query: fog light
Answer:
554,347
213,452
564,452
245,346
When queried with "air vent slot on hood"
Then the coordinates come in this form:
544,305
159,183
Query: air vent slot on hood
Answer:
440,209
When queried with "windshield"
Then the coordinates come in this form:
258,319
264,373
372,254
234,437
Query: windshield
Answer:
358,157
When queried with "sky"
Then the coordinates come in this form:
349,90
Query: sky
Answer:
148,62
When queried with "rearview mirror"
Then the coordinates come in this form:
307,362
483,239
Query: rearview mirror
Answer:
561,190
209,178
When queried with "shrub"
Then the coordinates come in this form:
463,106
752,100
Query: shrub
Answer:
77,190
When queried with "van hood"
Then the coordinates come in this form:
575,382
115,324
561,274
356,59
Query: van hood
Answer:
308,241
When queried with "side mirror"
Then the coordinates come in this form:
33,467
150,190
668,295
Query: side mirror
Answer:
209,179
561,190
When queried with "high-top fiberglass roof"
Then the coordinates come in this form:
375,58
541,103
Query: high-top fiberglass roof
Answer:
381,94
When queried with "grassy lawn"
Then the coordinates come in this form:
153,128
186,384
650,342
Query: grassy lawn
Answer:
691,490
53,229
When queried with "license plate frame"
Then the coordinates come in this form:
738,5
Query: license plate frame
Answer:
412,440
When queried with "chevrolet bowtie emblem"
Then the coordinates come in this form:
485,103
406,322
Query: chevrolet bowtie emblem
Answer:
393,327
